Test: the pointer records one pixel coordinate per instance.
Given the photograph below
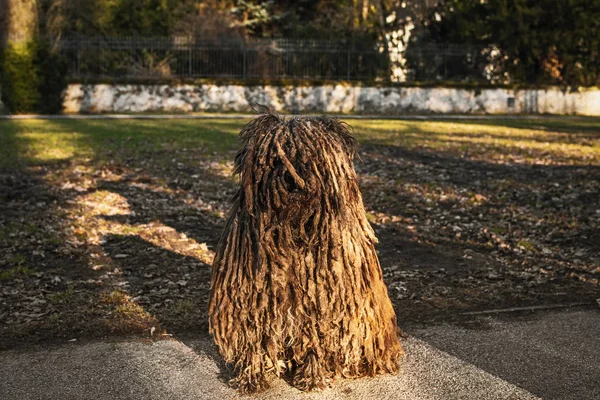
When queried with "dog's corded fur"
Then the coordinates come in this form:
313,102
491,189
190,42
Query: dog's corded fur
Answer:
296,285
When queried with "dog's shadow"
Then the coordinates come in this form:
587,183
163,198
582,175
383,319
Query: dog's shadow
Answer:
205,347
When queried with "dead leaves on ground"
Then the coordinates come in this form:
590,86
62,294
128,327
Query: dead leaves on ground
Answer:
459,228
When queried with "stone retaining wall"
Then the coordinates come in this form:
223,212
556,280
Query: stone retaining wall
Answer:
104,98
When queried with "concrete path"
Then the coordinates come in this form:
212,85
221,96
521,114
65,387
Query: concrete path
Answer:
553,355
174,370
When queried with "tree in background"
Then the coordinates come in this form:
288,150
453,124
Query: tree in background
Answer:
495,41
108,17
18,72
256,18
32,74
18,20
556,41
385,24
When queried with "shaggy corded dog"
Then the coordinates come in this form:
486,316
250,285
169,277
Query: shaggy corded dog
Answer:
296,284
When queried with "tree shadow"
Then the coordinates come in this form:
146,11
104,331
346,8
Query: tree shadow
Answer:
167,186
463,171
503,233
147,205
58,280
47,284
172,287
489,147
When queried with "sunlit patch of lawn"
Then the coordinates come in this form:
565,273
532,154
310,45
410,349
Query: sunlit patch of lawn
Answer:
47,147
41,142
556,140
494,141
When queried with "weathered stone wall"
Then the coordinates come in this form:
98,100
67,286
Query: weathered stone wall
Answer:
103,98
343,99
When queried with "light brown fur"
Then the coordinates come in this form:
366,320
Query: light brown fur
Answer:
296,287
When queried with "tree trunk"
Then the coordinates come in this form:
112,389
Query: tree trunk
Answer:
18,20
296,287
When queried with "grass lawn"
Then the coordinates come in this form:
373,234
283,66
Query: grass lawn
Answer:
110,226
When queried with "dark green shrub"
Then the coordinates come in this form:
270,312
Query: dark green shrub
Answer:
19,78
32,78
52,79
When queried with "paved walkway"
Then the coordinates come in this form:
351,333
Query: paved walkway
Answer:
176,370
553,355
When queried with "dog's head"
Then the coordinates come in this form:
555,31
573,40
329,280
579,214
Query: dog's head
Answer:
296,167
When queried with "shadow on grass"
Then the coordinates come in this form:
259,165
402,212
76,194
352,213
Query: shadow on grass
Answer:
172,287
44,270
163,173
147,206
44,239
451,139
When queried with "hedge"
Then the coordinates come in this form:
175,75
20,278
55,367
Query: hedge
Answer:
32,78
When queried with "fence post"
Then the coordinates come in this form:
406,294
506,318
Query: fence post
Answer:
190,56
135,73
245,61
78,56
445,55
348,65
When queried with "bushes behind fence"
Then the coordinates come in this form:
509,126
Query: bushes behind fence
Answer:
32,77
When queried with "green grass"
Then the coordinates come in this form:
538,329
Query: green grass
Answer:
41,142
559,140
62,297
37,142
14,272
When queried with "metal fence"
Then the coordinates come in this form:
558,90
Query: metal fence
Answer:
162,58
182,57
